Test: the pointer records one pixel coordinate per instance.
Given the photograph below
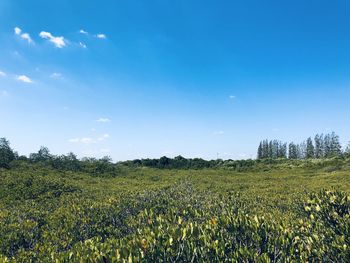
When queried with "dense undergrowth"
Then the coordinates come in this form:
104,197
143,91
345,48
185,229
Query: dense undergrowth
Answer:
175,216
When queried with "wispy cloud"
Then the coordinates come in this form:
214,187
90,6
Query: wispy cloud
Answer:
56,75
103,137
2,74
232,97
101,36
24,36
24,79
82,31
89,140
82,45
59,42
103,120
27,37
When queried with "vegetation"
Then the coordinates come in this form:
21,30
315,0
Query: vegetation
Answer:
322,147
61,209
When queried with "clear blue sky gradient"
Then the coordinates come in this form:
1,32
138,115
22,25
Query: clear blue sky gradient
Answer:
191,78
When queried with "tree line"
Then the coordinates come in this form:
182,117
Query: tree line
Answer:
322,146
70,162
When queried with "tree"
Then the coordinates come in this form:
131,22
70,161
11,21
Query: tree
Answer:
310,149
319,146
263,150
270,148
67,162
283,151
180,162
7,155
41,156
292,151
106,159
327,146
260,151
275,149
347,150
335,146
301,149
164,162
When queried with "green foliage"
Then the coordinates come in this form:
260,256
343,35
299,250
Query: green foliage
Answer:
50,216
6,153
61,209
31,186
220,231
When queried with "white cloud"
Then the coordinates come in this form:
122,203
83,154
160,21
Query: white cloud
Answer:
59,42
103,120
103,137
82,31
2,74
24,36
27,37
83,140
82,45
56,75
101,36
232,97
105,150
89,140
18,31
24,79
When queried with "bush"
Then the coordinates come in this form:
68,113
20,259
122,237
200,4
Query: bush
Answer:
177,224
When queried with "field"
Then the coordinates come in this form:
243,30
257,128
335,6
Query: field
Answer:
277,214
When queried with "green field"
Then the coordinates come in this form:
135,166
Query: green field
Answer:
276,214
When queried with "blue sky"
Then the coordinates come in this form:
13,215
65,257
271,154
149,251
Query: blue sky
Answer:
134,79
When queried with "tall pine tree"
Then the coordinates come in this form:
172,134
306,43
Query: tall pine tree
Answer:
260,151
335,146
292,151
310,149
319,146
